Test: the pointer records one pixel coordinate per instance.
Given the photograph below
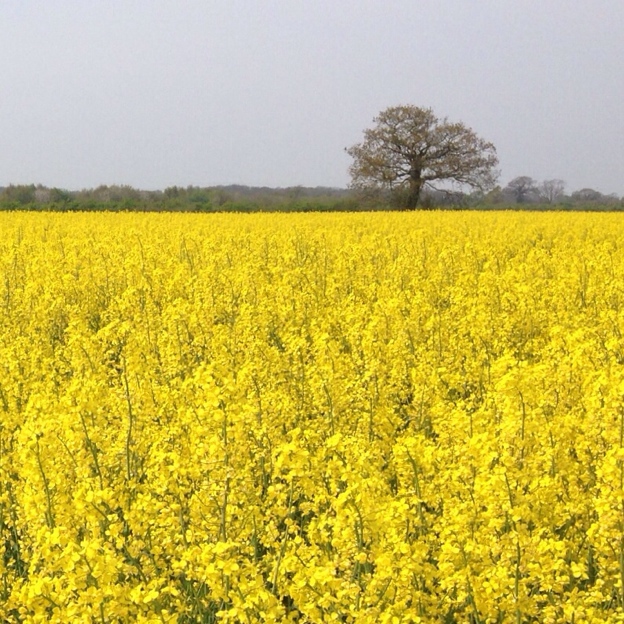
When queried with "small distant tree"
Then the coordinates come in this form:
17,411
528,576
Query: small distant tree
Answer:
198,197
60,196
551,191
494,197
42,194
173,192
410,149
587,195
522,190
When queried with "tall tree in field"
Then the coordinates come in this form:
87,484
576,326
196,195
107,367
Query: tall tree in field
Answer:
410,149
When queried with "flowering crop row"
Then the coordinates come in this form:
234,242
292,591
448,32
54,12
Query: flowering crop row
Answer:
312,418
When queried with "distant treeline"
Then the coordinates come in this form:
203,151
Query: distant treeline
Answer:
234,198
239,198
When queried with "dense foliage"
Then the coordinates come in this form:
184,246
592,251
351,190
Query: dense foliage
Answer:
233,198
312,418
238,198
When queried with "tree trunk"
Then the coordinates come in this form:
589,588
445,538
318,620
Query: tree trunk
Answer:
413,194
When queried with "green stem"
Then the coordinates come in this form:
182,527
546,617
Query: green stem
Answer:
282,551
129,440
46,486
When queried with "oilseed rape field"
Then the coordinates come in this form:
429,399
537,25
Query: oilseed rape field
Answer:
312,418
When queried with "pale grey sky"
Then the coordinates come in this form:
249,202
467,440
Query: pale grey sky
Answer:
154,93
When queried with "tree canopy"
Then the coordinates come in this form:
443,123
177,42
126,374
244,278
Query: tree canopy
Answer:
410,149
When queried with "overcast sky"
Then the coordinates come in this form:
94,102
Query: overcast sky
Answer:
154,93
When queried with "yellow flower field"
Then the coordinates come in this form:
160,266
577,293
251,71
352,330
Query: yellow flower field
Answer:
312,418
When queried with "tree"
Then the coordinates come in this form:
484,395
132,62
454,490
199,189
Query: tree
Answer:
587,195
551,191
410,149
21,194
60,196
522,190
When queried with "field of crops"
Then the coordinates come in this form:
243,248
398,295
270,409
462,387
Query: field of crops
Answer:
312,418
